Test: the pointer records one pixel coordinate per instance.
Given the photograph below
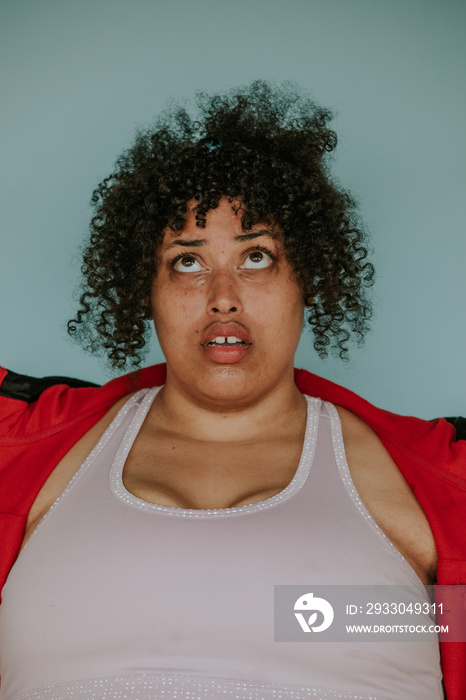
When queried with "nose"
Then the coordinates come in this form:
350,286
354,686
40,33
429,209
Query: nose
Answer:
224,294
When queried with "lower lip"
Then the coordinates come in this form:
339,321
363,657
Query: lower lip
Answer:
226,356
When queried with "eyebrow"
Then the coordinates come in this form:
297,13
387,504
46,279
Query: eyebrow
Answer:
241,238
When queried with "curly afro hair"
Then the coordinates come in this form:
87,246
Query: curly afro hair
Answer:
264,145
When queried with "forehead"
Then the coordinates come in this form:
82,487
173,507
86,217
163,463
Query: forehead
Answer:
223,222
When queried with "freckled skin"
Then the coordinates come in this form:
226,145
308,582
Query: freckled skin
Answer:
266,301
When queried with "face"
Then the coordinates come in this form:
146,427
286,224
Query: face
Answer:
228,310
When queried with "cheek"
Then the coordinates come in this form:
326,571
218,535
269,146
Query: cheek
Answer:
280,315
288,303
174,309
290,310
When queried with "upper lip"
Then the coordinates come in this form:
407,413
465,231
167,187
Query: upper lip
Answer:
224,330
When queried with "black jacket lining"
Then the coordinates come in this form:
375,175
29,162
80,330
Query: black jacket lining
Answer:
25,388
460,424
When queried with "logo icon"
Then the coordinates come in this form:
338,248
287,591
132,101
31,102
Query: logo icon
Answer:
312,605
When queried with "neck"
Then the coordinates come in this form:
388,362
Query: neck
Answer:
272,413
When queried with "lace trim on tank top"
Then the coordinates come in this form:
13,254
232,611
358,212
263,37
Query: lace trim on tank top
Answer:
300,476
342,463
177,686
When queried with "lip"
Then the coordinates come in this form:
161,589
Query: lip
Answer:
226,355
225,329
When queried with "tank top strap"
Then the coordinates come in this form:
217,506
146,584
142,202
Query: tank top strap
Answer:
135,411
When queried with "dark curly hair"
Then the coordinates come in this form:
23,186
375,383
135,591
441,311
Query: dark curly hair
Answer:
265,145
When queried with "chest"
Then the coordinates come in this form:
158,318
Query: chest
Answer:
163,469
169,470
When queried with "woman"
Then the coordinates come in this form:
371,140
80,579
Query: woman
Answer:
186,493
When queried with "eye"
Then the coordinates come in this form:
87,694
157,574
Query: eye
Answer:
258,259
186,263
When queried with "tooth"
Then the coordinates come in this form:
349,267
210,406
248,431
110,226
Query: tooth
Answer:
232,339
219,340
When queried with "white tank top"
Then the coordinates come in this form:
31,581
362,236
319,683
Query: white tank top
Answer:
117,598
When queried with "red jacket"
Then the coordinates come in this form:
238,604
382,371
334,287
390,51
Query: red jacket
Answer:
35,434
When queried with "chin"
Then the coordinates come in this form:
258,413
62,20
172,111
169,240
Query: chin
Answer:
225,384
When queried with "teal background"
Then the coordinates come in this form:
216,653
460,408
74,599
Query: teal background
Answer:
77,78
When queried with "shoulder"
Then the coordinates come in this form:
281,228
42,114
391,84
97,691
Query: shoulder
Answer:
387,496
32,406
36,434
67,467
430,455
437,446
23,387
